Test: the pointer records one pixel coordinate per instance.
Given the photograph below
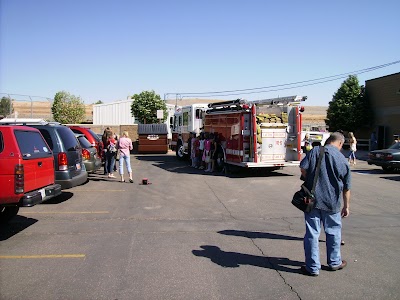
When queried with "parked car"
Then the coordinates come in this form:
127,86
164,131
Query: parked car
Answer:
388,159
69,168
26,170
91,160
92,137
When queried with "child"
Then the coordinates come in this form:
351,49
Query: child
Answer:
208,150
194,149
201,150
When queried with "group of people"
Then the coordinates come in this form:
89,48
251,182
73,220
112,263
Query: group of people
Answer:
117,147
205,151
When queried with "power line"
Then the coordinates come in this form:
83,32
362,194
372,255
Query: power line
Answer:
292,85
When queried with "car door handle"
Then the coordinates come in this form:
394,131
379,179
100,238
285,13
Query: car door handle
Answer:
40,163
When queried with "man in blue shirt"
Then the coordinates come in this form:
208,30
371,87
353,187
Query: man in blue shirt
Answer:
333,185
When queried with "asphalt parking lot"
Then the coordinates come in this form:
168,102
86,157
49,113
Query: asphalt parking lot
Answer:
195,235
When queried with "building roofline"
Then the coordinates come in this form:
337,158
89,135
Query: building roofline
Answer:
383,76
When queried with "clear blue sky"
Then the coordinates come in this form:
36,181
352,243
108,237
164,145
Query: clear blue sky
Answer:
107,50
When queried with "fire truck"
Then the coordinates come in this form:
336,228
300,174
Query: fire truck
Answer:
187,119
257,134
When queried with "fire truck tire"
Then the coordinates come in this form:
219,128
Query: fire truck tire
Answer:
227,169
7,213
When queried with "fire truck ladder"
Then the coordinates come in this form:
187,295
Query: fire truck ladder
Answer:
279,100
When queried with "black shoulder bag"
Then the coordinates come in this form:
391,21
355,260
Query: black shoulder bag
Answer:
304,199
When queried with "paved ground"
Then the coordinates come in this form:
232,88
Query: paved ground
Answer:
192,235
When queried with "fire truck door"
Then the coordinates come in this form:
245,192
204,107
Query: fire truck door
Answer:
273,143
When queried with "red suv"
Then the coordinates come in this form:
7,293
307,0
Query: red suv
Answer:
92,137
26,170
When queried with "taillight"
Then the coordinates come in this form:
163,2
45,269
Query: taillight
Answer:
85,154
19,179
389,157
62,161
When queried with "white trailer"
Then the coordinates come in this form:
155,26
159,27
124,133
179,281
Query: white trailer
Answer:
119,113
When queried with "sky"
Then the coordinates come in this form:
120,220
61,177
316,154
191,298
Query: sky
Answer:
111,50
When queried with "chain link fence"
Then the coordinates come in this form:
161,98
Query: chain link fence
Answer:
27,106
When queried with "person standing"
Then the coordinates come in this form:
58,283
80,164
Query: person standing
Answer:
111,146
353,148
333,186
307,144
124,148
106,133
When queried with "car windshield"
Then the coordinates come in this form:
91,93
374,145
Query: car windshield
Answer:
84,142
395,146
32,144
68,137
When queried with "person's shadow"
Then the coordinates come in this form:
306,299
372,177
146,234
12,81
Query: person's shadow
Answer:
259,235
235,259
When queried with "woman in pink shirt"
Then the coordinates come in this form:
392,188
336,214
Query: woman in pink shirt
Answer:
124,148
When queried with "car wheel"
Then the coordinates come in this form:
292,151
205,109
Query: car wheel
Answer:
386,168
7,213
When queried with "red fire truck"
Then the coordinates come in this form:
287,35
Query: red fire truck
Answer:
257,134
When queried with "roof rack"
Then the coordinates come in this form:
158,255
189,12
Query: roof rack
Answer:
26,121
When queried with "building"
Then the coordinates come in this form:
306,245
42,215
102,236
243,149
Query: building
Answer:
383,94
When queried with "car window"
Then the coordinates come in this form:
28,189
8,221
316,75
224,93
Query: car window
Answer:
84,142
395,146
95,136
31,144
76,130
1,142
47,137
69,140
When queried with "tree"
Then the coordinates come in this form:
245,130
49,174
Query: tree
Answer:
67,108
349,109
99,102
145,105
6,107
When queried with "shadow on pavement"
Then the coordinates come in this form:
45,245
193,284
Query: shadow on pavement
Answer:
394,178
59,199
172,164
16,225
259,235
234,260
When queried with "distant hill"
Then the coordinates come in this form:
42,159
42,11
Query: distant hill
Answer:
312,115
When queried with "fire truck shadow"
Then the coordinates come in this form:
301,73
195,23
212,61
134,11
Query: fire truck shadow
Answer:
16,225
171,164
259,235
234,259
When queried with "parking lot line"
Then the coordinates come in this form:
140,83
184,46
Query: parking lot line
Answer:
43,256
99,190
66,212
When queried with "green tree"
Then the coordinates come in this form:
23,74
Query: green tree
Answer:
349,109
145,105
6,107
99,102
67,108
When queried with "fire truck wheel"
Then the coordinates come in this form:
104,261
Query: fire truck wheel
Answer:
227,169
